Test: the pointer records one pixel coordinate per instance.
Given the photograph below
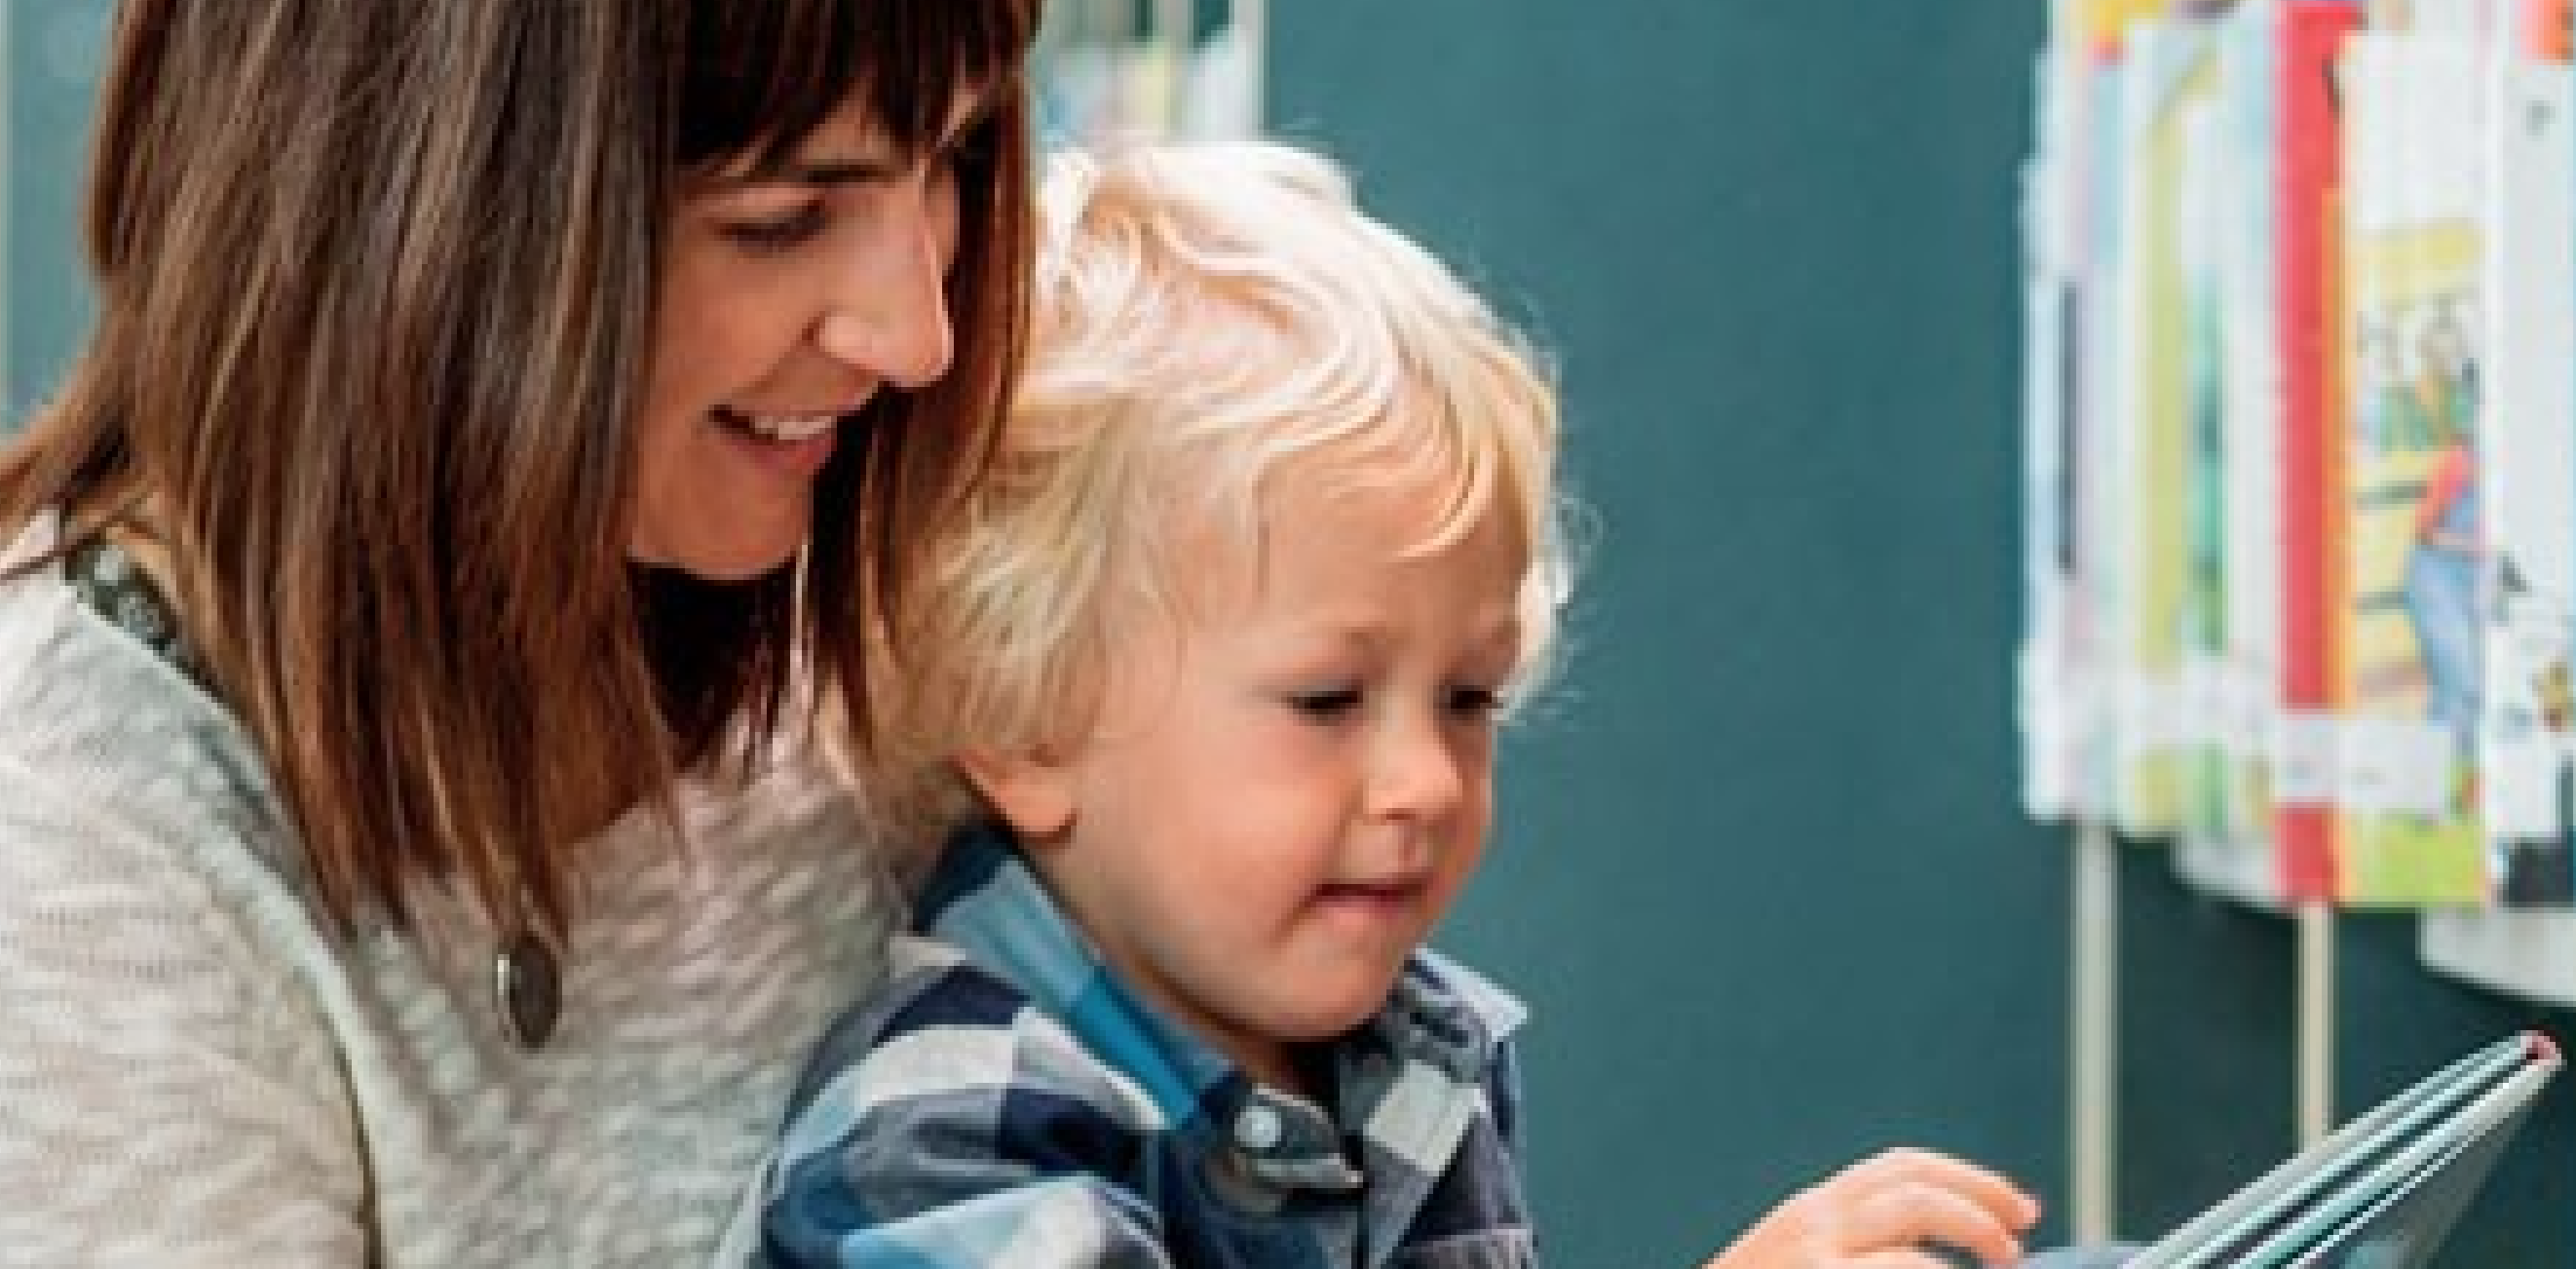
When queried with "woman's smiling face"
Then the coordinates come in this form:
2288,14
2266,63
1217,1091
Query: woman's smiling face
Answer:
791,296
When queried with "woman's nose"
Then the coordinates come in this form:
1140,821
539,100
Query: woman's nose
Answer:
889,311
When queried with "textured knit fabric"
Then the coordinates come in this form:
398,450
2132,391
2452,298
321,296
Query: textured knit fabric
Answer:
1006,1102
194,1072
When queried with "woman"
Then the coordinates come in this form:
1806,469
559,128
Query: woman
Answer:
503,424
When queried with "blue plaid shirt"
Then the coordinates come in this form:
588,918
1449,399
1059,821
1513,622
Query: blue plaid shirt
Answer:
1006,1101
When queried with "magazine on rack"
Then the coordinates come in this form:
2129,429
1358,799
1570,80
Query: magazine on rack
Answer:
2384,1190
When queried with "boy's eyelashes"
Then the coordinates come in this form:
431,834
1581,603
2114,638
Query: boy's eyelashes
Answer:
1465,700
1330,702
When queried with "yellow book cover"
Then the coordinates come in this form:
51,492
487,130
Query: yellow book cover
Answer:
2168,85
2406,790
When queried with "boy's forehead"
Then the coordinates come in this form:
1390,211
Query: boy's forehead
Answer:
1230,544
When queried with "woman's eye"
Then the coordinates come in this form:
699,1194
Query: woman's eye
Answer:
973,151
1329,703
777,233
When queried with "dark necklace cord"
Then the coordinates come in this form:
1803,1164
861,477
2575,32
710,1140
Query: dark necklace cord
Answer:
527,974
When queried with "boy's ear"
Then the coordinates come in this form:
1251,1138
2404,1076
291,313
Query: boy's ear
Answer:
1033,792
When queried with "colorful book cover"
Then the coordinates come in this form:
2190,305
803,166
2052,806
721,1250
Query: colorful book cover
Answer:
2203,201
2307,202
2167,82
2049,670
2107,22
2227,848
2094,509
2249,405
2406,790
2527,467
2549,28
2043,676
2468,18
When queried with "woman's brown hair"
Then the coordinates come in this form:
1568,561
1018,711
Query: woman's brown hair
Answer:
377,283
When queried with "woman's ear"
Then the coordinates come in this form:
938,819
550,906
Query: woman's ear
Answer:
1033,792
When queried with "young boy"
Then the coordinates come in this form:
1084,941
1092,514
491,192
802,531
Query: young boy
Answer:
1272,546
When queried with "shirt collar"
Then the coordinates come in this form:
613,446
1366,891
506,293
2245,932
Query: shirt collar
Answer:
1435,1041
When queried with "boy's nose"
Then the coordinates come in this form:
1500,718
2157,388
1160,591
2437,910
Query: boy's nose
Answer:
1419,774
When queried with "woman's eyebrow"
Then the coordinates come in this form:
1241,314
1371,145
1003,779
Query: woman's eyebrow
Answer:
858,171
877,163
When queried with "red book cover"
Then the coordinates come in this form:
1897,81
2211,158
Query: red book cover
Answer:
2310,309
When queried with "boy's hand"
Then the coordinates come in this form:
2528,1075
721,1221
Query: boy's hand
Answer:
1885,1212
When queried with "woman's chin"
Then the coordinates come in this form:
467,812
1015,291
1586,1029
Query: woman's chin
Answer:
721,563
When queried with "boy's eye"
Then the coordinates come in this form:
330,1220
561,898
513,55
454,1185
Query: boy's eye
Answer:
1328,703
777,233
1474,702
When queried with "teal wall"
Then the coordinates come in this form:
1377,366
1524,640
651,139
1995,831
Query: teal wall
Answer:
2207,1007
1761,873
53,52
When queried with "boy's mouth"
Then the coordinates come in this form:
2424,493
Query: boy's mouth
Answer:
1388,893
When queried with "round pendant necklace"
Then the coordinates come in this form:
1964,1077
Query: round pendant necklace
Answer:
527,982
527,974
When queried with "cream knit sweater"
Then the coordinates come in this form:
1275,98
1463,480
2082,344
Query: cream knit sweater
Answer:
193,1073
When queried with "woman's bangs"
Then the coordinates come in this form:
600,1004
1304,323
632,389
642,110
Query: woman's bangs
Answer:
762,76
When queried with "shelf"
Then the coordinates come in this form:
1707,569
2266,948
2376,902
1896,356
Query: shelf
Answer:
2238,872
2530,954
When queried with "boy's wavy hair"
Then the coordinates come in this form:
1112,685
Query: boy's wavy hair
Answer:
1208,320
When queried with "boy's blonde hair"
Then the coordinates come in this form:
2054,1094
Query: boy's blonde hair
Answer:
1210,319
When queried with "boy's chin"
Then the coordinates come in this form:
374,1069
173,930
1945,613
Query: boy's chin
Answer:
1331,1016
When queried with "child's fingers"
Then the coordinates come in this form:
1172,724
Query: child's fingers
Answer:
1908,1163
1907,1199
1916,1214
1886,1212
1984,1188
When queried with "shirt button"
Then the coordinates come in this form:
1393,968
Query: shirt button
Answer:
1257,1128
